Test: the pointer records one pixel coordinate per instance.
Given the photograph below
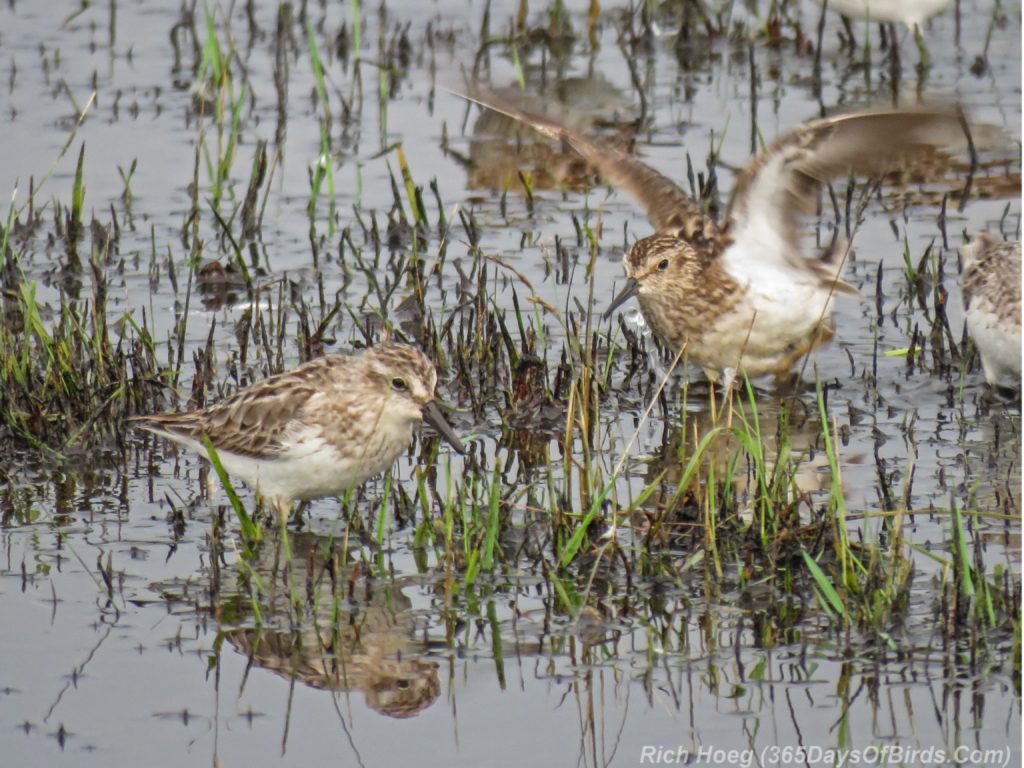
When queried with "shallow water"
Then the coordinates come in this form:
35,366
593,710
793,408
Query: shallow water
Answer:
150,668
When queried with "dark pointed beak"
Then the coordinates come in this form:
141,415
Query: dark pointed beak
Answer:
434,417
628,291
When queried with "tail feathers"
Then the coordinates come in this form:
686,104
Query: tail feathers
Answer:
171,426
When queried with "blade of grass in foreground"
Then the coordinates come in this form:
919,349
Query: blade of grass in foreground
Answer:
825,585
576,540
251,532
493,519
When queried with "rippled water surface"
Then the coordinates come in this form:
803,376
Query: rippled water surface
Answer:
133,633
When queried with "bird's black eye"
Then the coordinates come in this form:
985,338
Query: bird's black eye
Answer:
663,265
398,384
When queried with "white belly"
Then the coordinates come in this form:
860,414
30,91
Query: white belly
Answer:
999,344
776,317
311,468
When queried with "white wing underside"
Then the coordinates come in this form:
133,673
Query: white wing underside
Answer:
766,249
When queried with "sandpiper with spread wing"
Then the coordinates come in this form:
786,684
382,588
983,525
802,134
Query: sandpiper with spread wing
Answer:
740,294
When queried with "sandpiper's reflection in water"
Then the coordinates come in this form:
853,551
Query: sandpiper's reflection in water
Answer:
351,632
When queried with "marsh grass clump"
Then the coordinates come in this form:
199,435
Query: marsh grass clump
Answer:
744,498
68,373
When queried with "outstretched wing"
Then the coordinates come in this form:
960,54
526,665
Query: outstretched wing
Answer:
669,208
781,184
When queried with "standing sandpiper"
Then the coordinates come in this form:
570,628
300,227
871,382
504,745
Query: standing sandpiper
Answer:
991,288
740,294
319,429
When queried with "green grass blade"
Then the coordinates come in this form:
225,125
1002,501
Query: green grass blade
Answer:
825,585
251,532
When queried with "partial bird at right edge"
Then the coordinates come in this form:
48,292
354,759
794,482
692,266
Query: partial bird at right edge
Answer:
739,295
991,289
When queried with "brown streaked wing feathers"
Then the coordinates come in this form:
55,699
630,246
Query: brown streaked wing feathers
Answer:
668,207
992,271
256,424
251,422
